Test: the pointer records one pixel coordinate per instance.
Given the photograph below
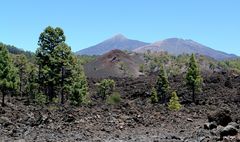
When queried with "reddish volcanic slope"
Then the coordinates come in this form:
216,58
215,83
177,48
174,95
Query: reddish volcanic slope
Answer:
115,63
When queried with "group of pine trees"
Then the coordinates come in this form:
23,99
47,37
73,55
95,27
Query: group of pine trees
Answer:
55,72
160,92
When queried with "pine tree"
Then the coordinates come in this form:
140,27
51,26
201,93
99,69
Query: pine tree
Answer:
31,86
8,74
79,85
193,77
174,102
21,63
162,85
62,59
154,96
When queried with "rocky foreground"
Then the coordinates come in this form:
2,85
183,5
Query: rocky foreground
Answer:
215,117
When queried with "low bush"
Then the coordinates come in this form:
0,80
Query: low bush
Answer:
174,102
113,99
106,87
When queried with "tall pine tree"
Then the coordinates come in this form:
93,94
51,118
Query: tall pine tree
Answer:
48,41
193,77
79,84
8,74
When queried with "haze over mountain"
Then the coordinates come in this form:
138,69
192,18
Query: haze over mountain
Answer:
176,46
118,41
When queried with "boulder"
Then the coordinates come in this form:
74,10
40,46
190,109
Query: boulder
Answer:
221,117
228,131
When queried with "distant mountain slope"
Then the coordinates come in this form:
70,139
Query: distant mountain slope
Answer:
115,63
177,46
116,42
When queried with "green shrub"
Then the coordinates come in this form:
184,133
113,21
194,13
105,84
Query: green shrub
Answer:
106,87
141,68
174,102
154,96
40,98
113,99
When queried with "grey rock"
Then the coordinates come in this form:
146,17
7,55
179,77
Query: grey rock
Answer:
234,124
210,125
5,121
189,119
228,131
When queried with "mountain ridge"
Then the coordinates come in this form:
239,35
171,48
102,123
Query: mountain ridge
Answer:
177,46
174,46
118,41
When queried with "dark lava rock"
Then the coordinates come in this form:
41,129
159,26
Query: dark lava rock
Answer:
214,79
228,83
221,117
2,111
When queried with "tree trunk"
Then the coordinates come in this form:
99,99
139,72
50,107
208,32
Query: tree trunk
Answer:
193,94
164,98
50,93
20,87
62,83
3,98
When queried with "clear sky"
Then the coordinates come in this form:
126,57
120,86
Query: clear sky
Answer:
215,23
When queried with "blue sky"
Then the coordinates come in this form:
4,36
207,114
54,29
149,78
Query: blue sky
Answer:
215,23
